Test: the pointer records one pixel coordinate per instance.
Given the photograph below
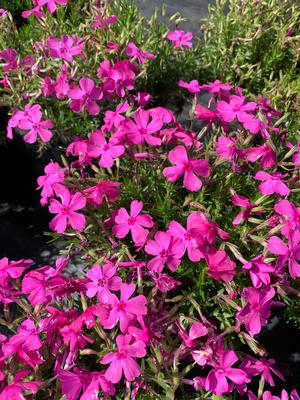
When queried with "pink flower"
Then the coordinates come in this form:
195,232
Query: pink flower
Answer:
54,174
123,360
243,202
187,167
65,48
12,270
103,280
32,121
167,250
85,96
125,310
51,4
10,56
265,153
114,118
217,379
104,23
273,183
164,283
180,38
204,114
220,266
117,78
192,87
142,129
135,223
268,396
190,237
227,147
37,284
289,252
66,210
25,344
15,390
257,311
236,108
259,271
84,384
103,189
292,223
133,51
36,11
217,87
197,330
107,151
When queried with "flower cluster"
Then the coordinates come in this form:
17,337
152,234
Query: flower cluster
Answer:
187,240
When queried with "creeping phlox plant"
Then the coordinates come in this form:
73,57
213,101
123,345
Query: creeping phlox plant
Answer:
189,236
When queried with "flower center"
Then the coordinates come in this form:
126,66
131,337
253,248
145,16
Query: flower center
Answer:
188,166
187,236
121,306
131,221
101,282
122,354
65,210
163,253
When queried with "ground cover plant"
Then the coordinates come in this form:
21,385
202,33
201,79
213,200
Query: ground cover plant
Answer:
189,234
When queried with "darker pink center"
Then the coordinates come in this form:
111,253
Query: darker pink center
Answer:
131,221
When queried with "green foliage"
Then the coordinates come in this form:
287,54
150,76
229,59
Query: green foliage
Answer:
255,44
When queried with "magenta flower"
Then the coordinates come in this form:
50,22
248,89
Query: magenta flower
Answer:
104,189
135,223
65,48
217,87
186,167
227,148
107,151
217,379
192,87
180,38
247,206
257,310
289,252
66,210
114,118
125,310
37,284
204,114
289,210
85,96
32,121
236,108
142,129
117,78
10,56
259,271
103,280
196,331
25,344
133,51
84,384
164,282
15,390
123,360
268,396
265,153
272,183
52,4
167,250
220,266
54,174
191,236
12,270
